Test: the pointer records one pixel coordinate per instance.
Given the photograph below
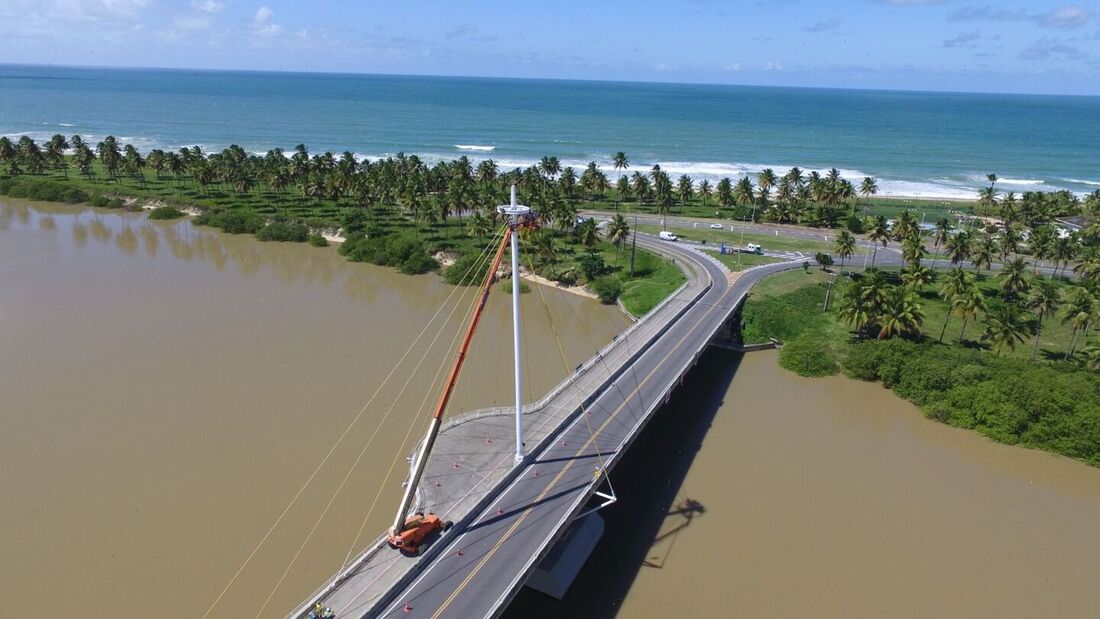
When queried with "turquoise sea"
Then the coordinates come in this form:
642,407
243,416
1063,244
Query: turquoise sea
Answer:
916,143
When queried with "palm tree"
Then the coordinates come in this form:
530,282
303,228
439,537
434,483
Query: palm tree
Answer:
685,188
912,250
984,252
905,227
1004,327
1043,301
550,166
588,233
621,162
1010,241
879,233
766,180
900,315
1063,250
744,193
940,234
1013,277
8,154
957,282
916,277
543,245
479,226
618,231
1080,306
958,247
868,188
967,306
704,191
845,247
855,310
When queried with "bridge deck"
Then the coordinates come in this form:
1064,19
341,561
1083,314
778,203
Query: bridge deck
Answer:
508,516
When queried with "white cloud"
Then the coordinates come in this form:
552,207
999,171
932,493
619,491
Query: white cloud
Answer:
263,15
191,22
262,23
1069,16
208,6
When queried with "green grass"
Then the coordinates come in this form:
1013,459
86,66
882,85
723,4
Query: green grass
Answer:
1053,338
769,242
789,281
888,206
746,260
655,277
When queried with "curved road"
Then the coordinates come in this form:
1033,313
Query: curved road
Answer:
485,563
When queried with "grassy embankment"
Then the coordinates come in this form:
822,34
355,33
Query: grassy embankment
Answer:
396,240
769,242
1047,403
889,207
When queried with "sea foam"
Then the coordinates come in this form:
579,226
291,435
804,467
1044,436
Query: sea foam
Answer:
475,147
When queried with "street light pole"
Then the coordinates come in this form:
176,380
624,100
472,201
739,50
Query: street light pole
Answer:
515,211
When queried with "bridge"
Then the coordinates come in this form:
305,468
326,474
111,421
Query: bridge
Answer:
508,517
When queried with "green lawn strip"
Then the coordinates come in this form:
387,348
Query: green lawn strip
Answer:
891,207
655,277
746,260
770,242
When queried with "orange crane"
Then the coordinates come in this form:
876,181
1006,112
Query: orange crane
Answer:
409,532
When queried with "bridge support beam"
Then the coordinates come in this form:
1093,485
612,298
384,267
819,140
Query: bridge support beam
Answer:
559,569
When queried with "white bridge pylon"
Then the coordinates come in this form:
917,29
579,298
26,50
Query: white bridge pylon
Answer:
515,211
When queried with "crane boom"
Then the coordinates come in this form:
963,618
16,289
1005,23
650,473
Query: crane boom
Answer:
396,538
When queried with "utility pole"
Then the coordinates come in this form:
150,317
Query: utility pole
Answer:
634,246
515,211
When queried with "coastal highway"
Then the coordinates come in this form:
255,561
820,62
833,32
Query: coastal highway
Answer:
485,563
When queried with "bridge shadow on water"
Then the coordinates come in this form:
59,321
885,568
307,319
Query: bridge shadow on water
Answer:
641,528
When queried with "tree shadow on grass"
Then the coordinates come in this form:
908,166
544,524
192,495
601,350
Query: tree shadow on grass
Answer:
647,482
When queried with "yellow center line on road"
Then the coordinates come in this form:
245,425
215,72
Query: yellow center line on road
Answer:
508,533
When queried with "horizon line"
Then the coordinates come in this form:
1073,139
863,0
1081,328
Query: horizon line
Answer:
536,79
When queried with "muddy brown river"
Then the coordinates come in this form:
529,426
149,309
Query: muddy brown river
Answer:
758,493
165,390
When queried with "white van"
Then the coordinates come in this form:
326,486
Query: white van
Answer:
754,249
665,235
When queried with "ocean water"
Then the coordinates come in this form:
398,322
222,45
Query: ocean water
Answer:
917,144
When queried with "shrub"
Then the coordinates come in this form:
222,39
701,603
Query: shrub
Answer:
591,265
403,251
317,240
854,224
42,189
524,288
467,270
283,231
607,288
783,317
99,200
808,356
418,263
166,212
237,221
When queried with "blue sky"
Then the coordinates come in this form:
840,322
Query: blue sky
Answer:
1031,47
